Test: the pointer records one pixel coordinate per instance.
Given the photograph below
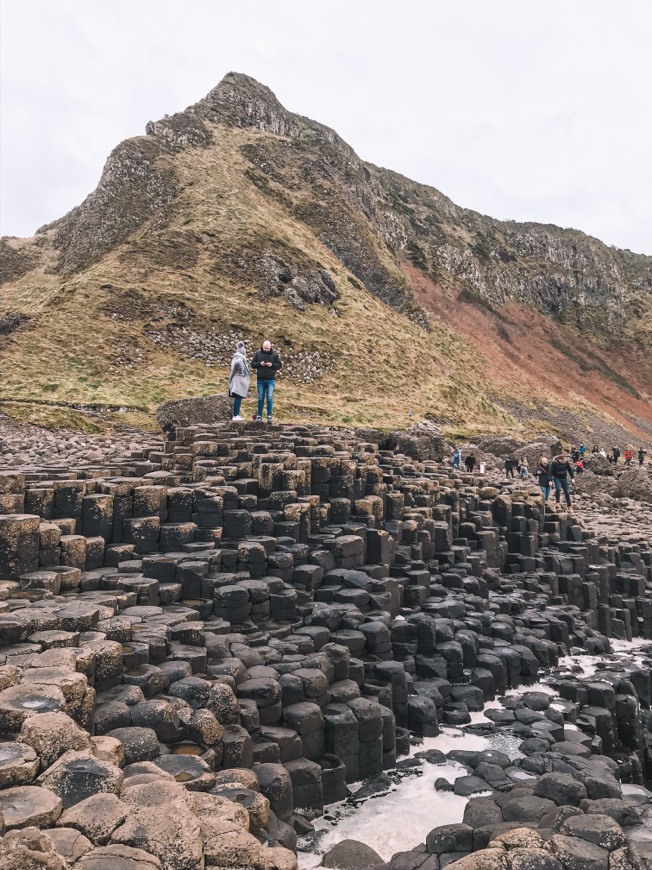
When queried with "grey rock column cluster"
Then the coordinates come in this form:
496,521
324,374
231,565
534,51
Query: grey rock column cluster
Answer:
245,619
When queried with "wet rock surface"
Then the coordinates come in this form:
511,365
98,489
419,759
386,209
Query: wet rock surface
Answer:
207,641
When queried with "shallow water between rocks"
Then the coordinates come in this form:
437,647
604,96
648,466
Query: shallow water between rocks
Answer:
401,818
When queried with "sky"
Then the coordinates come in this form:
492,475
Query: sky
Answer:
523,110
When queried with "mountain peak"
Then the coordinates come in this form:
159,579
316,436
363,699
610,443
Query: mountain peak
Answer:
210,227
244,102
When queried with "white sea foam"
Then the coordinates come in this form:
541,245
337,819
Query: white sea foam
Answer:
400,820
397,821
449,739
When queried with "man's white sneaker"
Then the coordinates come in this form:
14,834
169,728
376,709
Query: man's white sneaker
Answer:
237,418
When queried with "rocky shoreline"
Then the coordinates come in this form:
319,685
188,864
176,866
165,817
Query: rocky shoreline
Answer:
207,640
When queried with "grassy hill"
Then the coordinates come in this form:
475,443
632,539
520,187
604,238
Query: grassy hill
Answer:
236,218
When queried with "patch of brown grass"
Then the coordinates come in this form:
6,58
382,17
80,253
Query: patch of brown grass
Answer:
386,371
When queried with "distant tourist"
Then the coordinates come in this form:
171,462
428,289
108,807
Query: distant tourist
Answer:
615,452
239,379
544,477
628,456
469,463
267,362
595,449
579,466
457,458
560,469
523,468
641,455
510,465
603,453
582,450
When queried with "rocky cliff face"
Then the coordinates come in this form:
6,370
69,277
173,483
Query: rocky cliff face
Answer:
236,195
355,208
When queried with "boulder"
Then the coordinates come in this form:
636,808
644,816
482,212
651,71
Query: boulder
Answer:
79,775
450,838
140,744
52,734
487,859
18,764
577,854
527,808
533,858
482,811
352,855
519,838
69,843
562,788
599,829
29,849
422,441
189,412
163,822
96,817
28,805
626,814
278,858
118,858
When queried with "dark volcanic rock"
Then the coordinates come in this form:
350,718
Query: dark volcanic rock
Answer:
190,412
352,855
223,632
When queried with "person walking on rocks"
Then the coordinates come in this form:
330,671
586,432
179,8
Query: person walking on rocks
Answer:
267,362
641,455
544,477
628,456
457,458
523,468
469,463
560,468
239,379
616,454
509,467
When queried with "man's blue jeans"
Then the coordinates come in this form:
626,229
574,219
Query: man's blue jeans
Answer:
265,390
546,491
562,483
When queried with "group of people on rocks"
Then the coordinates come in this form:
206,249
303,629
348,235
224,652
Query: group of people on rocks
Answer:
267,363
557,474
520,466
615,453
549,473
469,462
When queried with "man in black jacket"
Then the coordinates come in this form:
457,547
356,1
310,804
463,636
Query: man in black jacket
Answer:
560,468
267,362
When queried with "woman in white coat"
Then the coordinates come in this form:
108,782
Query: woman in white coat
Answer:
239,378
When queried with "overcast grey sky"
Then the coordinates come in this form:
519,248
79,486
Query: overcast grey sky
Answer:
519,109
